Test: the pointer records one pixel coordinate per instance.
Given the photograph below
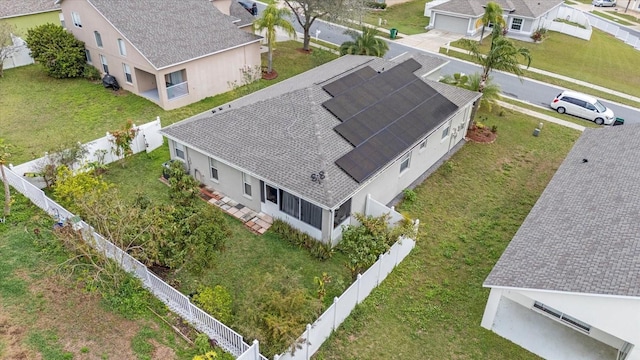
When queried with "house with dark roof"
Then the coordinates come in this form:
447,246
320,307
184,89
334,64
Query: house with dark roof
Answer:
568,284
522,17
172,52
25,14
311,149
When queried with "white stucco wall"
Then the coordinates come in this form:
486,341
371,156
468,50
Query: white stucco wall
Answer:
612,319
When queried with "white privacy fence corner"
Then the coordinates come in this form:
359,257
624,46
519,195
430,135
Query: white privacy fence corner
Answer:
375,208
19,54
148,138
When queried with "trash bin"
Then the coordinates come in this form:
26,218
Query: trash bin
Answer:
619,121
393,33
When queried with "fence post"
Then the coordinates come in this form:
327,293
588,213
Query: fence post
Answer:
276,357
24,184
307,342
379,268
358,288
256,349
335,312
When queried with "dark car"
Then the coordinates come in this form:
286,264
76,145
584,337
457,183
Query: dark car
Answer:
251,8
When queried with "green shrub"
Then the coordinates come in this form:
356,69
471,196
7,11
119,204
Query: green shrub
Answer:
57,50
410,196
91,73
215,301
317,249
376,5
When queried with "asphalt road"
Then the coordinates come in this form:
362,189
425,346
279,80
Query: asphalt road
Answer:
531,91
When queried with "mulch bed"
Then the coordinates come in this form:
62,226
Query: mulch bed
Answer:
482,135
269,75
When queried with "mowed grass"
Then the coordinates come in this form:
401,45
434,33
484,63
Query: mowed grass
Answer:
604,60
39,113
46,314
407,17
431,305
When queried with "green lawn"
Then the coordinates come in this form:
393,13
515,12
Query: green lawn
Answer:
612,18
408,17
604,60
39,112
431,306
630,17
44,311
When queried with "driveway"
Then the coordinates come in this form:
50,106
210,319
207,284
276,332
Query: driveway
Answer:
430,41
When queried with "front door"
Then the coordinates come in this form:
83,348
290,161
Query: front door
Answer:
271,203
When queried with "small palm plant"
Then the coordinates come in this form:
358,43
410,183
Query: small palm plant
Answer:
490,93
273,17
364,43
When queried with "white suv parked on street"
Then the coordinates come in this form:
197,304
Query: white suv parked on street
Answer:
583,106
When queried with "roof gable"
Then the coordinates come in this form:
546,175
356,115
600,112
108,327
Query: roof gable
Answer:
170,32
475,8
583,234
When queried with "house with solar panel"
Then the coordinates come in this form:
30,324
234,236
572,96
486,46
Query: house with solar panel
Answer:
172,52
312,149
568,284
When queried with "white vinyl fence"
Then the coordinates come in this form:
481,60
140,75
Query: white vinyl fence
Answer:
376,209
147,139
19,54
224,336
316,333
573,15
615,30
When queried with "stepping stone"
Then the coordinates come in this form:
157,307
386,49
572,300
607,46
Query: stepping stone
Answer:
231,210
262,231
225,207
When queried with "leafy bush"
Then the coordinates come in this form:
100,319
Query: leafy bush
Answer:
410,196
70,189
91,73
57,50
376,5
539,34
317,249
216,302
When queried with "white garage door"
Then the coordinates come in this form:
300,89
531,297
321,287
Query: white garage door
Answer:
451,24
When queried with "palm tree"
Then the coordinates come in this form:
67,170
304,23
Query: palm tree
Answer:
490,93
503,55
365,43
271,18
492,15
4,158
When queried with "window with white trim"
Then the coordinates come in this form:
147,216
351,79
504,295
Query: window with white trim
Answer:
127,73
404,163
246,184
180,151
213,165
87,54
76,19
105,66
122,48
98,38
445,132
569,320
516,24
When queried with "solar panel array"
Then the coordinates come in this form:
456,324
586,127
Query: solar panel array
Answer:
383,115
347,82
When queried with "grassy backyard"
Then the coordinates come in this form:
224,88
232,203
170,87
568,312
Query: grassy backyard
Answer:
430,307
591,61
40,113
407,17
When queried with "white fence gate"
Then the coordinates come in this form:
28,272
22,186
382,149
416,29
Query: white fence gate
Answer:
20,54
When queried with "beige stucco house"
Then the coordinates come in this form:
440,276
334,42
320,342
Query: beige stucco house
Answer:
172,52
311,149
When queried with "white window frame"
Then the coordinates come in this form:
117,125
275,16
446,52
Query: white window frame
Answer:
405,163
87,55
105,63
98,37
122,47
128,76
76,19
519,24
246,185
446,131
423,145
180,151
213,170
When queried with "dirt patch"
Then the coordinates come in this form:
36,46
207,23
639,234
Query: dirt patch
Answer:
11,339
84,328
162,352
481,135
269,75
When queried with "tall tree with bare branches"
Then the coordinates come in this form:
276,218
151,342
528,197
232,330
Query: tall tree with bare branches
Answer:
6,43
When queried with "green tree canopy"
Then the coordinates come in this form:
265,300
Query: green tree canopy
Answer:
57,50
490,93
492,15
364,43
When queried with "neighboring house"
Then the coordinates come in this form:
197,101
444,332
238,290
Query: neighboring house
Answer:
25,14
522,17
310,149
568,284
172,52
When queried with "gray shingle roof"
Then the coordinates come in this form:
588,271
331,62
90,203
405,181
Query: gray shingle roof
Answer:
11,8
169,32
526,8
583,234
283,134
237,11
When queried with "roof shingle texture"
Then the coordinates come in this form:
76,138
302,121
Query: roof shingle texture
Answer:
169,32
583,234
283,134
526,8
10,8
